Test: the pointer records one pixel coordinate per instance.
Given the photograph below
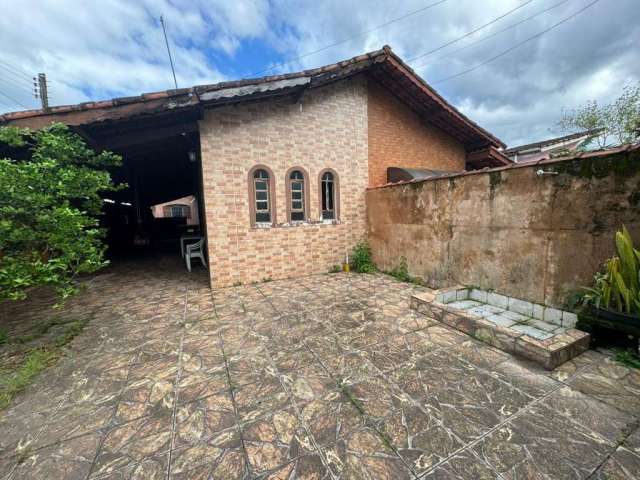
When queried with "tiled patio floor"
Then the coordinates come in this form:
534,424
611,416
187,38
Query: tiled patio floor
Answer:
323,377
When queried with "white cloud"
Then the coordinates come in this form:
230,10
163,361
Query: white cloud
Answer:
98,49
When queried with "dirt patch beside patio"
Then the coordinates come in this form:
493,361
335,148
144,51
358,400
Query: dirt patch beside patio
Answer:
327,376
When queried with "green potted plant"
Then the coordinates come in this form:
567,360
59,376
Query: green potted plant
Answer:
613,303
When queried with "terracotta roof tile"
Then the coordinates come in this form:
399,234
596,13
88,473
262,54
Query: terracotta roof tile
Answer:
391,64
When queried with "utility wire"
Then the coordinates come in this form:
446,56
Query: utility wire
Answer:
477,29
483,39
2,102
14,100
16,84
14,75
360,34
517,45
16,70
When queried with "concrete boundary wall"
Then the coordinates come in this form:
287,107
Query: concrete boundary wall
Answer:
539,238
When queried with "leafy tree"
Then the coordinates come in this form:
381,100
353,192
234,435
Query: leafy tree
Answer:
50,185
617,122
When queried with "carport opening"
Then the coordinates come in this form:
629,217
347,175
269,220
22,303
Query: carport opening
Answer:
162,201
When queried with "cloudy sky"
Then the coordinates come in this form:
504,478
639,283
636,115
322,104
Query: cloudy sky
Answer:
97,49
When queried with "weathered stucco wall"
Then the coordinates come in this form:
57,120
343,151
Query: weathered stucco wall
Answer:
533,237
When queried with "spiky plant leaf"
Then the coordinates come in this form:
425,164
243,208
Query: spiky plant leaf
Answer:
628,261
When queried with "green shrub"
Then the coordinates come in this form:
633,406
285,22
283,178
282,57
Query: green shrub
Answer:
628,358
335,269
4,336
51,188
401,272
361,260
618,287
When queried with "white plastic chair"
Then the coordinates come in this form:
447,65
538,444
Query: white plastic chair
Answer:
194,250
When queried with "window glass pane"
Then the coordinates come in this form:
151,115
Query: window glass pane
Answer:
260,205
329,195
261,174
296,195
263,217
328,176
296,205
296,186
296,175
261,195
261,185
297,216
324,197
327,215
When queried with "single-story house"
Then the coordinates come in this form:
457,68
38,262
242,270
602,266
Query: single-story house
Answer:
184,207
280,164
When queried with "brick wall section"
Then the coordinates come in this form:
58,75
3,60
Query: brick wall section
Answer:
327,129
399,138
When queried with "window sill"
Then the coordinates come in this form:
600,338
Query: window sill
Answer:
308,223
262,225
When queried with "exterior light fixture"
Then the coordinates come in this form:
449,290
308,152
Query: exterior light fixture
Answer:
541,172
192,156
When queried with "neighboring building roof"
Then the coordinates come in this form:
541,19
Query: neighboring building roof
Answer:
545,162
488,156
400,174
550,142
383,65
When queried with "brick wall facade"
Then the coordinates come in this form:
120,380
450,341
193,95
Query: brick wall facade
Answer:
399,138
327,129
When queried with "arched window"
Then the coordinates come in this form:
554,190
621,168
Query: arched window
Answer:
262,196
176,210
329,195
297,182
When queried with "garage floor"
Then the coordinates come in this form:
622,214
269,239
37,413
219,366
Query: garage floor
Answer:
329,376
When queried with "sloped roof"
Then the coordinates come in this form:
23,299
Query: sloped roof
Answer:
382,65
550,141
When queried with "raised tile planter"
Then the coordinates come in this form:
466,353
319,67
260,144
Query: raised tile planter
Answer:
543,334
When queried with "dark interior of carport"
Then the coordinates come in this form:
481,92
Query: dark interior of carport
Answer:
161,163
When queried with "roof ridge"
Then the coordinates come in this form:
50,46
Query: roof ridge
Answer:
195,89
377,62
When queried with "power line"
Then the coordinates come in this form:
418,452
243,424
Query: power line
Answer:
14,100
360,34
480,40
2,102
475,30
14,75
15,84
15,69
517,45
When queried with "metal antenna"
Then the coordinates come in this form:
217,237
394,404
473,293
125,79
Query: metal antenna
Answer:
169,52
